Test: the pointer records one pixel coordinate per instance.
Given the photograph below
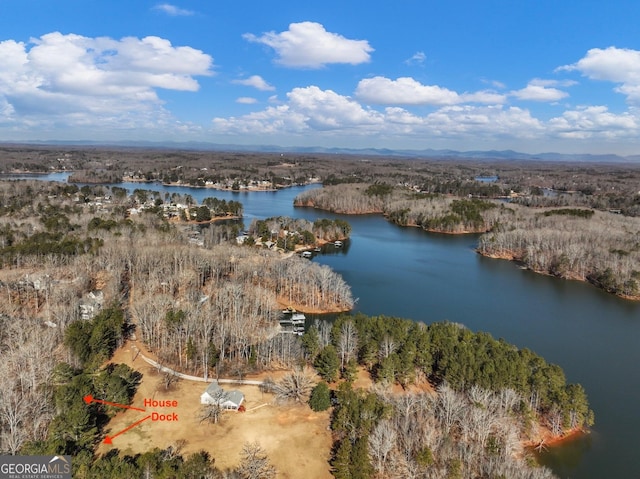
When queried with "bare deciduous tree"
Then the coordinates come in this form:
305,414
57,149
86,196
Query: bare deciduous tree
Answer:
449,407
295,386
212,412
254,463
382,440
13,416
347,342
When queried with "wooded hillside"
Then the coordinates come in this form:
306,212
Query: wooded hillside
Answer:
490,399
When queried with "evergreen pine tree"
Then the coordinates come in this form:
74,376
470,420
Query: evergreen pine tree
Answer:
320,399
342,460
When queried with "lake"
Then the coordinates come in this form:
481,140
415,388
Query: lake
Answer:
429,277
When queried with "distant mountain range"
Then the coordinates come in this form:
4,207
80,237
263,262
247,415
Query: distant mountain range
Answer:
382,152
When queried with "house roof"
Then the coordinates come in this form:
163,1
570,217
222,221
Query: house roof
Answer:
234,396
213,388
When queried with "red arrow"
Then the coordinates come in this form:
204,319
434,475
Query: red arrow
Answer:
89,399
109,439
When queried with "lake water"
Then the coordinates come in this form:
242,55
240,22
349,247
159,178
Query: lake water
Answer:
409,273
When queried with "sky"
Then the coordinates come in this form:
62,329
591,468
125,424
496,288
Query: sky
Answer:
529,75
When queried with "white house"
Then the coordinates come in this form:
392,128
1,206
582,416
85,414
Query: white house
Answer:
214,394
242,238
91,304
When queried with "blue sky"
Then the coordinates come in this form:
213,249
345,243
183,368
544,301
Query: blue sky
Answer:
531,75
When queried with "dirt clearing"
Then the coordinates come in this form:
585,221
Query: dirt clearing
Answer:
296,439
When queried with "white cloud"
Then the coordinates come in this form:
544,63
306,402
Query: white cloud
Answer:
6,109
255,81
589,122
613,64
327,109
273,120
484,122
537,91
400,116
313,116
417,58
403,91
309,45
76,80
307,109
617,65
408,91
172,10
632,91
317,113
154,55
552,83
246,100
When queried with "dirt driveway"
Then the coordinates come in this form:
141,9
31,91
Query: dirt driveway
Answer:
296,439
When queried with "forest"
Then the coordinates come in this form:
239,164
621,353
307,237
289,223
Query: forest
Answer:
72,427
490,395
429,211
599,247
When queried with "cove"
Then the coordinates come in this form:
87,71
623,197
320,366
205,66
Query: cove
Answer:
429,277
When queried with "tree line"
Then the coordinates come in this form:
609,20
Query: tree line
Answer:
400,351
449,435
429,211
573,183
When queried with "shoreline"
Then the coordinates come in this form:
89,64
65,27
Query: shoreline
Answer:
212,220
127,179
246,189
510,256
307,310
550,441
386,217
212,187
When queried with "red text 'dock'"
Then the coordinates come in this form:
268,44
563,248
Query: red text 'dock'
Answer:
164,417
